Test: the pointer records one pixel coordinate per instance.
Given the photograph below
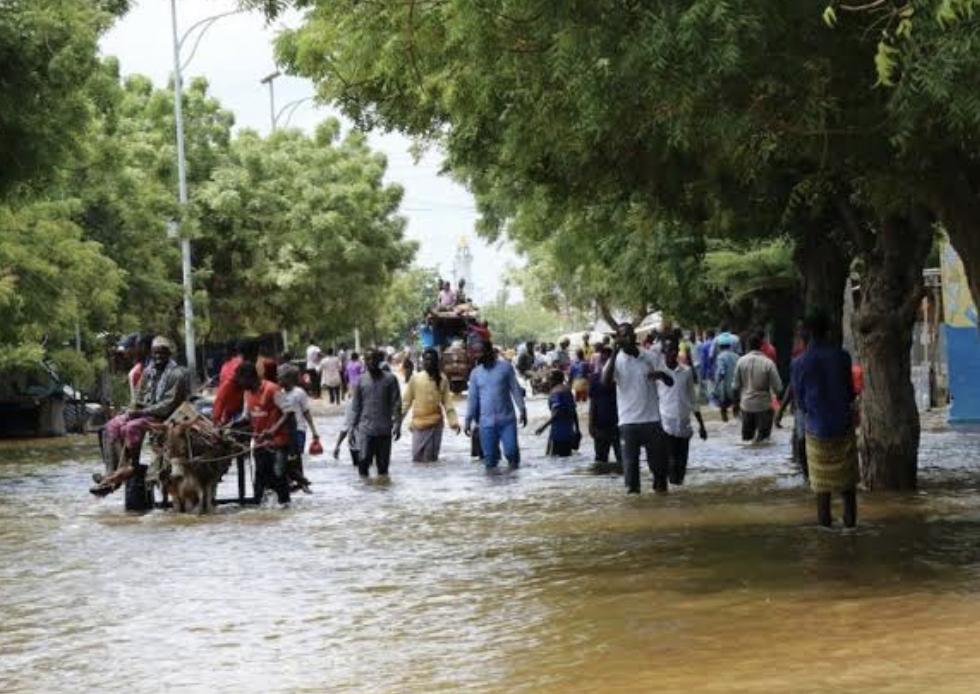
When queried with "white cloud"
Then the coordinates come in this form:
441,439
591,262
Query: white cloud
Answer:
236,53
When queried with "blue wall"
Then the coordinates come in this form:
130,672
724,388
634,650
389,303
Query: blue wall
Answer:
963,358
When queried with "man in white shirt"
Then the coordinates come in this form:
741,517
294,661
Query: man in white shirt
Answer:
635,373
313,357
677,404
756,383
293,400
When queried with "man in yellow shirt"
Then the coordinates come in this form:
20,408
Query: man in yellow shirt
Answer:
427,396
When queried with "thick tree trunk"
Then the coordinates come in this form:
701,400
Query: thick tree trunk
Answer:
823,259
607,315
891,287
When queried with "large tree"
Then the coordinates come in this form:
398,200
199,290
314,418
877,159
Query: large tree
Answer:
705,117
928,64
298,232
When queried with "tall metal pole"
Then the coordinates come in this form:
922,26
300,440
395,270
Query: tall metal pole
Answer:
272,102
185,243
270,80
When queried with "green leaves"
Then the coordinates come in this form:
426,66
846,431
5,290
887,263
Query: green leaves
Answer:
296,232
49,52
885,62
50,279
830,16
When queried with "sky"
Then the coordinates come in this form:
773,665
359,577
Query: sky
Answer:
236,53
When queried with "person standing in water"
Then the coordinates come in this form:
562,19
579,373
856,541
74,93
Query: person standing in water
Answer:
677,404
603,413
428,397
564,418
756,383
331,370
493,395
376,414
636,373
824,389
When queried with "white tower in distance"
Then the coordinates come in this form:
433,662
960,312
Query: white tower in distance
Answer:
463,267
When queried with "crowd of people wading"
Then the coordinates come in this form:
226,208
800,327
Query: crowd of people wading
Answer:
637,396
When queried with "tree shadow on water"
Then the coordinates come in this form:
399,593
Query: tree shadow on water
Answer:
893,556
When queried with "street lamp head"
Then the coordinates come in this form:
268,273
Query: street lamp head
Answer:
270,77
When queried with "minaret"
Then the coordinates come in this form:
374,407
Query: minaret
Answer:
463,267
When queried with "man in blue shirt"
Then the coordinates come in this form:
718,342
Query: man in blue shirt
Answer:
493,395
825,393
706,366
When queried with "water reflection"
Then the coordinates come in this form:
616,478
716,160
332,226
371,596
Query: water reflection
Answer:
445,579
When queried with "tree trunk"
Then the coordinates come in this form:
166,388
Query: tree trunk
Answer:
823,259
607,315
891,287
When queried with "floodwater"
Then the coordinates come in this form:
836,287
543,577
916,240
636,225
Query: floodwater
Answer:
445,579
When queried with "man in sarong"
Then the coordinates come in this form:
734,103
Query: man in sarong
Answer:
428,397
824,390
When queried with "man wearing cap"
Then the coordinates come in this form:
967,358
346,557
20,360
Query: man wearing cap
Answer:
162,389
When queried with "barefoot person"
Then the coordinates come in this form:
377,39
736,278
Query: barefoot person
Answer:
427,396
636,372
825,392
162,389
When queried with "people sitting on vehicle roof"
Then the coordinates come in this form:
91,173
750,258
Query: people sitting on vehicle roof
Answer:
461,297
162,389
447,298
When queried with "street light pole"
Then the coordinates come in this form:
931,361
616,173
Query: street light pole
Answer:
291,106
185,243
270,80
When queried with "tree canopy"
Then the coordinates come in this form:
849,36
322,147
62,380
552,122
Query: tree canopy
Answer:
49,51
635,137
293,231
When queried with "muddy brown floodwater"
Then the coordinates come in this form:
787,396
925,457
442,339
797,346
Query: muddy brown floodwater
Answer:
547,580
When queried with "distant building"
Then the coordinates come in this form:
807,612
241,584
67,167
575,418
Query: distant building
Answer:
463,267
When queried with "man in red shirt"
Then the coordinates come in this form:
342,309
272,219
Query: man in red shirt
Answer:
229,401
268,426
767,347
232,360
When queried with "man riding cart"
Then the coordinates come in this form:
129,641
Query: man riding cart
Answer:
162,389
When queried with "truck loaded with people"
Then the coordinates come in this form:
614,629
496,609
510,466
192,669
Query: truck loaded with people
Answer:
453,326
